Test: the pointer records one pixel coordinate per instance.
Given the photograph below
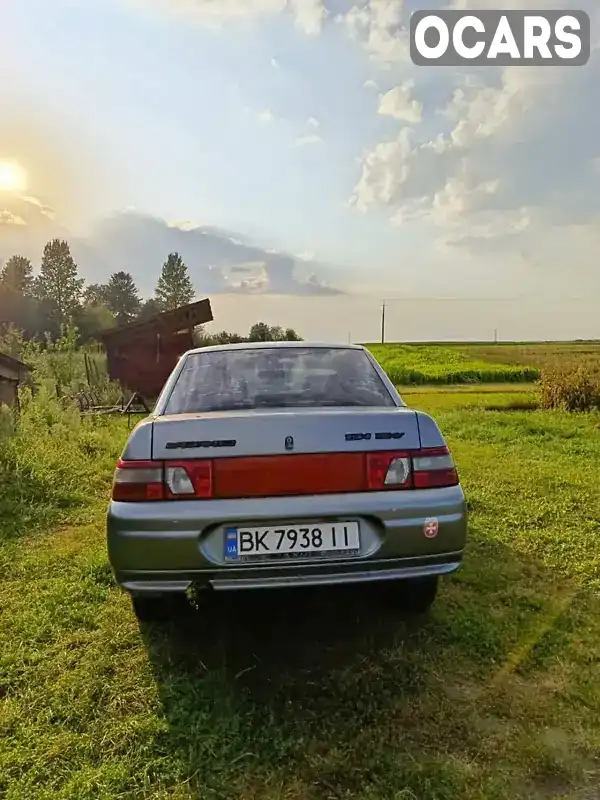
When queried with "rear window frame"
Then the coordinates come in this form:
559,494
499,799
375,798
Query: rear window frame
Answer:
166,394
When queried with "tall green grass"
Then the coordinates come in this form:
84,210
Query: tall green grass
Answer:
54,462
419,364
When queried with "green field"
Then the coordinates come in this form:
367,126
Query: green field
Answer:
431,363
312,695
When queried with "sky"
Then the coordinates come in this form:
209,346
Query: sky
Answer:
304,168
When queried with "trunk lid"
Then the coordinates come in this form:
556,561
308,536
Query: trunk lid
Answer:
284,431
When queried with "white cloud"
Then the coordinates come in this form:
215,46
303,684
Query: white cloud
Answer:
399,103
511,160
8,218
381,27
26,210
307,255
370,84
384,171
275,63
308,15
311,122
266,116
40,207
303,141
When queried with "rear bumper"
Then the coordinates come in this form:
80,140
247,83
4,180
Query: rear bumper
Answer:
166,547
269,578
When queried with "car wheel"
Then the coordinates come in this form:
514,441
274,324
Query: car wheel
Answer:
415,595
161,608
421,594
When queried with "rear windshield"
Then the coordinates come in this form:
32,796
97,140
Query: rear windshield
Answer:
221,380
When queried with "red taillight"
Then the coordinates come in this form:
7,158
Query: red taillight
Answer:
272,476
429,468
434,468
138,480
160,480
388,471
189,479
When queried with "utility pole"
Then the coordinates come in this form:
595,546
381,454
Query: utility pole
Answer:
383,322
495,336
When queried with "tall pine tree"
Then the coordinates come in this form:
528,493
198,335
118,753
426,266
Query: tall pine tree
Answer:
57,287
121,297
17,275
17,306
174,287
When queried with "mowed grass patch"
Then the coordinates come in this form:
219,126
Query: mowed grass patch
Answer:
519,397
414,364
330,693
540,354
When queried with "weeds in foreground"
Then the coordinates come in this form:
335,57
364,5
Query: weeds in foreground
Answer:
53,461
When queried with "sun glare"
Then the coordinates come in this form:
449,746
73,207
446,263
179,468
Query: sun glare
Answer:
13,177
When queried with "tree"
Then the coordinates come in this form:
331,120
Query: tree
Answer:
174,287
17,306
260,332
149,309
276,333
121,297
202,339
57,286
94,295
92,319
17,275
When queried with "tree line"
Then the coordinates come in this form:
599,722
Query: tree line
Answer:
42,304
57,295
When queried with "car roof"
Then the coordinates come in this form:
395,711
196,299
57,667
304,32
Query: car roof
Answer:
269,345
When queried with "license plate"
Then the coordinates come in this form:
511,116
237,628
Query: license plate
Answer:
292,540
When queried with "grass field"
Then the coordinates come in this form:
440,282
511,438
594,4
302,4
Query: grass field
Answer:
538,355
414,364
313,695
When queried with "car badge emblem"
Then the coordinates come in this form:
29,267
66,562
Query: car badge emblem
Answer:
289,442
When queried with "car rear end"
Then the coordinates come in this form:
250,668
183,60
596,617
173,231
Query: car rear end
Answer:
328,485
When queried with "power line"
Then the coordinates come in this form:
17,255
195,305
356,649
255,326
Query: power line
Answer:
541,299
462,300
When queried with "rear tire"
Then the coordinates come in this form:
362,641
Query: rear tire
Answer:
421,594
417,595
157,608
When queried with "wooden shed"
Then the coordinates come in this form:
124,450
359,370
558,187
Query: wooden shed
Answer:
12,372
141,355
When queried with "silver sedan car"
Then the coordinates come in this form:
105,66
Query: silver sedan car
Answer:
283,465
